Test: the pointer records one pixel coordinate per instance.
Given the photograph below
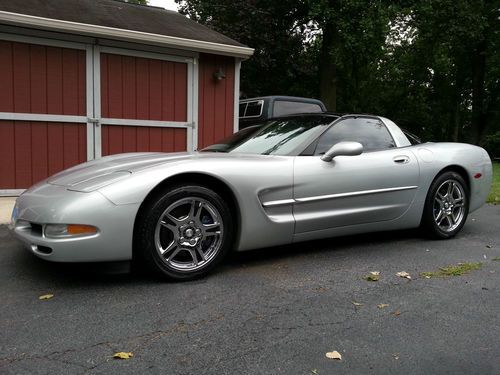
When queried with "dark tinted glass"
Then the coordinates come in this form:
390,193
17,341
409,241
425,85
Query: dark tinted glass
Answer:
282,108
371,133
254,109
243,106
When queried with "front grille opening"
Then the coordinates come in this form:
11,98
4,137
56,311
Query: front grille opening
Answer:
36,229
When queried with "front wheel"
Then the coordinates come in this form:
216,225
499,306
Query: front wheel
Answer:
446,206
184,233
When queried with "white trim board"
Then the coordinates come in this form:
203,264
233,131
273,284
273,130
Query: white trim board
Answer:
237,71
129,35
149,123
13,116
11,192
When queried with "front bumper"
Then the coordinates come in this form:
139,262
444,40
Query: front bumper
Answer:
49,204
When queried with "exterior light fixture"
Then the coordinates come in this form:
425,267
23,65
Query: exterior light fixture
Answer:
219,75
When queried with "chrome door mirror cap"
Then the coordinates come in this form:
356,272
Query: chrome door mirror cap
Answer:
343,149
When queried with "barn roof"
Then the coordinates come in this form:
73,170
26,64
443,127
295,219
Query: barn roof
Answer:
119,20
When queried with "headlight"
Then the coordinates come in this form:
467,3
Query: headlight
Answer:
69,230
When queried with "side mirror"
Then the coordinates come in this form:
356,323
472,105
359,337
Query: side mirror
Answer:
343,149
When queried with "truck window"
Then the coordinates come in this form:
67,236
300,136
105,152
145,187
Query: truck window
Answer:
251,109
282,108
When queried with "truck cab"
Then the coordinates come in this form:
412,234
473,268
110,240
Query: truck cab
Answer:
254,110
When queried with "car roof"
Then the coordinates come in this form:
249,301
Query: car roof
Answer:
282,97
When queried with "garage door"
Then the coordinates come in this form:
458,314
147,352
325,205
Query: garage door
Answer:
42,111
62,103
145,102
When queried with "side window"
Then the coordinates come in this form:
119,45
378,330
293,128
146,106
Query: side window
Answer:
371,133
282,108
251,109
243,108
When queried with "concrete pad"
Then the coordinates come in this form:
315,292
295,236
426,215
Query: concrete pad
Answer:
6,206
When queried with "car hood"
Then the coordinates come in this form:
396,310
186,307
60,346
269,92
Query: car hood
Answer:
95,174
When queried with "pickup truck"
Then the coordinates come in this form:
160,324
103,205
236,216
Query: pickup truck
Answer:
255,110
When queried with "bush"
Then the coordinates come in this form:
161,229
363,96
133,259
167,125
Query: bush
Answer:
492,144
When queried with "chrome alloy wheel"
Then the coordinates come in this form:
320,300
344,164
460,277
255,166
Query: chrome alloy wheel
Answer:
189,234
449,205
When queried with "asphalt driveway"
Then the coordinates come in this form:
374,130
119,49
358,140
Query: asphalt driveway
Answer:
272,311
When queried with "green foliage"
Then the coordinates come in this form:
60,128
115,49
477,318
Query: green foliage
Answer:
494,196
433,66
455,270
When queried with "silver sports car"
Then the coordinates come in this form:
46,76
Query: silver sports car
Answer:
291,179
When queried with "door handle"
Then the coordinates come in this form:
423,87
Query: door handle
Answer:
401,159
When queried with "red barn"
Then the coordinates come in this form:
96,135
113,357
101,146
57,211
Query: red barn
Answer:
81,79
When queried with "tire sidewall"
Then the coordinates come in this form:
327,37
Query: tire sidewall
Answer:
145,245
428,217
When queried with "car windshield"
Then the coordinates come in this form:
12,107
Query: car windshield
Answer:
273,137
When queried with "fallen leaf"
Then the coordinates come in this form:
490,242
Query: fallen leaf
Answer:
396,313
123,355
357,303
489,246
46,296
427,276
334,355
314,371
373,276
382,305
396,355
404,274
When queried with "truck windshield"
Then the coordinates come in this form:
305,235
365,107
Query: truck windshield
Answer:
273,137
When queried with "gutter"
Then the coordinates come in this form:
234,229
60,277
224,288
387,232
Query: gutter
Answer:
25,20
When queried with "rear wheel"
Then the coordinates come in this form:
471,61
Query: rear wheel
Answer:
446,206
184,233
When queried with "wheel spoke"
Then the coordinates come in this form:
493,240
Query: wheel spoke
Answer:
165,250
439,215
200,209
210,234
170,227
193,255
172,218
174,253
211,226
440,220
194,209
449,190
202,254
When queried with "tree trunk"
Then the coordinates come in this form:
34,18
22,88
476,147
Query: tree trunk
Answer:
478,98
328,69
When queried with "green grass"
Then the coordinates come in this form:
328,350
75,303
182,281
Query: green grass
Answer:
457,270
494,196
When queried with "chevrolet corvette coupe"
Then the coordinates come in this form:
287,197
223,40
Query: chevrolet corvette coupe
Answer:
290,179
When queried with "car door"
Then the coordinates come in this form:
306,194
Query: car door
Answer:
378,185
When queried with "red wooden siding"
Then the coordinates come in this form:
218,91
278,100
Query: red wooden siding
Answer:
32,151
40,79
145,89
216,99
117,139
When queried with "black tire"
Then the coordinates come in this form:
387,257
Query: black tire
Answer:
153,226
444,218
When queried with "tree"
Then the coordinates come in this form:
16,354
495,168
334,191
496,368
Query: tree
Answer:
432,66
279,64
